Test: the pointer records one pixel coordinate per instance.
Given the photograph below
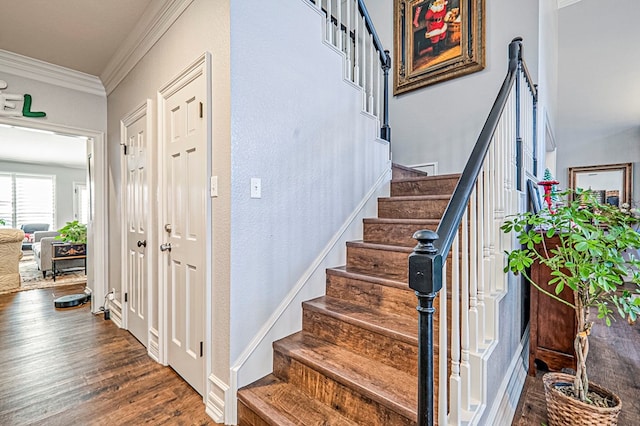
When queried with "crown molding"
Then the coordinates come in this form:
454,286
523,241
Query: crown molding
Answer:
156,20
565,3
23,66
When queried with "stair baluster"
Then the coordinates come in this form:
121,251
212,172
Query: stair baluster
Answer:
366,59
484,195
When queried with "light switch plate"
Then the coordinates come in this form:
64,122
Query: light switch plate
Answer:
256,188
214,186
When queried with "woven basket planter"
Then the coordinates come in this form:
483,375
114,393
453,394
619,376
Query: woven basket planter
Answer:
563,410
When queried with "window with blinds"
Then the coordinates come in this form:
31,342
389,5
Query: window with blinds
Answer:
6,198
27,199
81,203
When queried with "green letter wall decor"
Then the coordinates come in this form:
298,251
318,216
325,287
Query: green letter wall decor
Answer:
26,108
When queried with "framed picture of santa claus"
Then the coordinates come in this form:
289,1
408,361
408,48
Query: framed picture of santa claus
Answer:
437,40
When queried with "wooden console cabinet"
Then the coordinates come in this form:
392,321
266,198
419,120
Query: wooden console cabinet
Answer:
553,324
63,252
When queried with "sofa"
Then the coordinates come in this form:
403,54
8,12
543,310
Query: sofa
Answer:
29,229
10,255
43,252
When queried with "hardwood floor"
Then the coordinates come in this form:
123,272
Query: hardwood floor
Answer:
69,367
613,362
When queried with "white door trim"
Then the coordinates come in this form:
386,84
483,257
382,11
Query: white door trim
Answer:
97,271
145,109
201,66
77,208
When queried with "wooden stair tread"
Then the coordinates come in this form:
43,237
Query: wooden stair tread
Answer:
416,198
432,177
281,404
386,385
392,220
399,327
359,275
383,247
380,278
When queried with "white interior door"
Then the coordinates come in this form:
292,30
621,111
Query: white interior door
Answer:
136,283
184,176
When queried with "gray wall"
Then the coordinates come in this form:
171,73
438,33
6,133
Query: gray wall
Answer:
63,106
619,147
65,177
299,126
203,26
599,88
548,74
442,122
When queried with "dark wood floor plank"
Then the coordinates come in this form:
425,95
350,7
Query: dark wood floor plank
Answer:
613,362
69,367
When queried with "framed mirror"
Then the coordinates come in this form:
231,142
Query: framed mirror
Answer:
611,183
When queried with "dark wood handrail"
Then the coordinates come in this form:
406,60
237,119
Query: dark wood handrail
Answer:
384,54
452,218
533,87
426,263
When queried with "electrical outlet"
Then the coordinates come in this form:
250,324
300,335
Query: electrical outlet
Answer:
256,188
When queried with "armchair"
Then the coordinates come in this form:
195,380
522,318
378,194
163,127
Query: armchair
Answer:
10,255
43,252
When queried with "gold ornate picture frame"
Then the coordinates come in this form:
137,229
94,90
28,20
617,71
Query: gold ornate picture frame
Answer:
436,40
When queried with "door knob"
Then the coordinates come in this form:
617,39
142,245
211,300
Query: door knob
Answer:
167,227
165,247
142,243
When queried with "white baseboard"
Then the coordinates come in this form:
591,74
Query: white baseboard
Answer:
504,407
216,400
115,311
154,345
430,168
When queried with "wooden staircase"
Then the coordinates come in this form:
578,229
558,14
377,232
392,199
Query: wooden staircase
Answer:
355,360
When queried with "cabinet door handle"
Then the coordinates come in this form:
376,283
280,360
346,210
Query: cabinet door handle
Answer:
165,247
142,243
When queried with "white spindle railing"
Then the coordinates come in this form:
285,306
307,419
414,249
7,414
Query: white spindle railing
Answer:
443,359
346,29
476,264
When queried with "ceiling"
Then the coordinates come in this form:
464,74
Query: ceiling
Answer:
79,34
41,147
82,35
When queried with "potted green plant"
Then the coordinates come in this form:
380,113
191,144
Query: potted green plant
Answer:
74,235
590,260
